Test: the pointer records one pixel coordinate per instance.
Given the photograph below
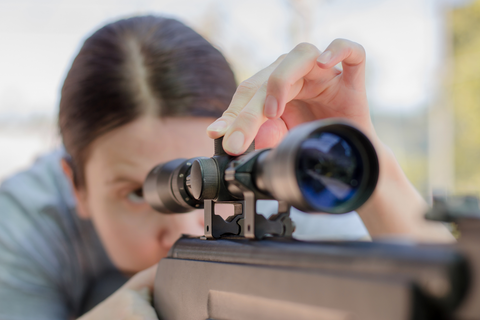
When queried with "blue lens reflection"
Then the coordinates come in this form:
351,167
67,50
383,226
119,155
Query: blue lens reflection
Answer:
329,170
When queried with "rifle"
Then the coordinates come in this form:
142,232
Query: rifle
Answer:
250,267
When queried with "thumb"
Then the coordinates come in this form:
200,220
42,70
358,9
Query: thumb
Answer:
143,279
145,293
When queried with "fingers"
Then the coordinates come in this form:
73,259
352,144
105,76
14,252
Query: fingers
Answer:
302,74
270,134
244,93
288,78
284,84
352,57
245,126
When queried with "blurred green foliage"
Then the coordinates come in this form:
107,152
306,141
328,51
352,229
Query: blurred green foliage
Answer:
407,136
465,92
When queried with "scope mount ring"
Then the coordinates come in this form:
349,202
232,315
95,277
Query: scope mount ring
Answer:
246,222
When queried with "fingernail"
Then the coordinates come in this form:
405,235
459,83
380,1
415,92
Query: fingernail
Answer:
234,143
217,126
325,57
271,107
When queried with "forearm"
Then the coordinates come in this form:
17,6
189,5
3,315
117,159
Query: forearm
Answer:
396,208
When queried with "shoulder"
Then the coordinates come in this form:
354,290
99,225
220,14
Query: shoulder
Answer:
45,171
47,253
36,205
41,184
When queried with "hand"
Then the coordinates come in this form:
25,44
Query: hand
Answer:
302,86
131,302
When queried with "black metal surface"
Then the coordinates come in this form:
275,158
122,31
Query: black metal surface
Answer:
441,273
454,208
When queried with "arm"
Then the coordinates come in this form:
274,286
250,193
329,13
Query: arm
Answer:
396,208
305,85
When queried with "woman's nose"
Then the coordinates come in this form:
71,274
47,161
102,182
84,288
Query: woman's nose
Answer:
168,238
170,230
171,227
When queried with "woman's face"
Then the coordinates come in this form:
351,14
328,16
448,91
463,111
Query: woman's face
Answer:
134,235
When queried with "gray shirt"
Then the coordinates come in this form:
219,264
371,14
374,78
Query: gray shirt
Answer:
49,257
52,262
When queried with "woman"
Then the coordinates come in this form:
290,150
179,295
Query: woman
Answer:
143,91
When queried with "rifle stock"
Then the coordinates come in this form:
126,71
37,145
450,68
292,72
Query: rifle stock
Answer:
238,279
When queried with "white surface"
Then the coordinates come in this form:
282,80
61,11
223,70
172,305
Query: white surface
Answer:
320,226
403,40
22,142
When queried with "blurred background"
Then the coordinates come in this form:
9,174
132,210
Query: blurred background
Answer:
423,68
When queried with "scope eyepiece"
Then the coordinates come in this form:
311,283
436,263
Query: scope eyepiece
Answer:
165,188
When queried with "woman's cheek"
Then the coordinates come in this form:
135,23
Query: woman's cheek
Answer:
136,237
130,238
196,223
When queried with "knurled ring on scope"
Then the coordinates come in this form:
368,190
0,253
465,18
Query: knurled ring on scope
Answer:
179,186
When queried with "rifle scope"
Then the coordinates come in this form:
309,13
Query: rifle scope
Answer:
321,166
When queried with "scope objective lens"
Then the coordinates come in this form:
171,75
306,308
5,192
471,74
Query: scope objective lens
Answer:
329,170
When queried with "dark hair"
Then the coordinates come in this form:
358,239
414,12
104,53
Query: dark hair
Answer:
142,65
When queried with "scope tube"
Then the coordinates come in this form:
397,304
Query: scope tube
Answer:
322,166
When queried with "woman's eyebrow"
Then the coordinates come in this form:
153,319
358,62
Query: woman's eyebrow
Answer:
123,180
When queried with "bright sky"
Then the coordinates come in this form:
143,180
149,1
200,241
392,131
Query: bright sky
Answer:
403,39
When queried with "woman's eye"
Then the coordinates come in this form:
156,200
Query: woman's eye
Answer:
136,196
